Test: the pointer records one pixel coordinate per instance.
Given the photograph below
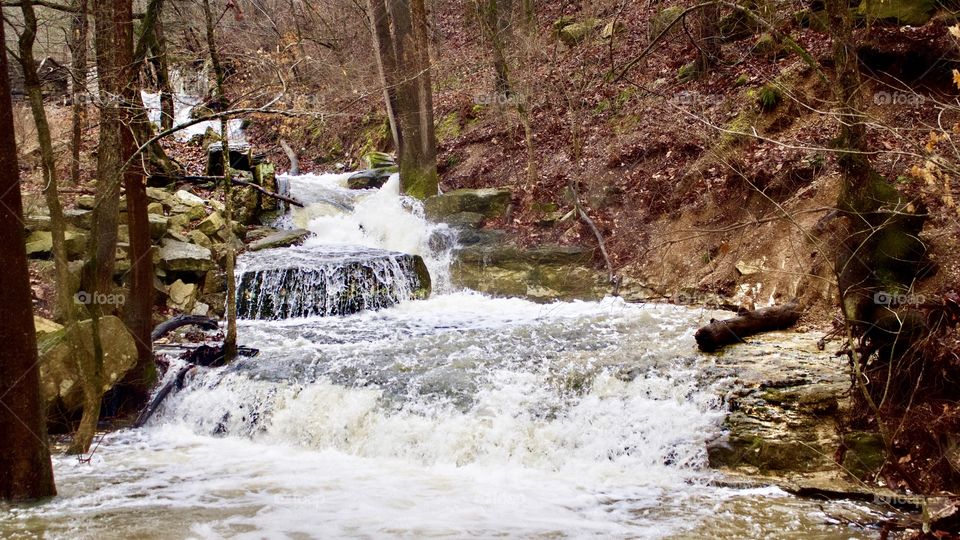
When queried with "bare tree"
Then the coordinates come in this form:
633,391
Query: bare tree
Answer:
25,468
230,340
402,43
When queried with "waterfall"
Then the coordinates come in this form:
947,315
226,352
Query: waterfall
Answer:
370,249
297,282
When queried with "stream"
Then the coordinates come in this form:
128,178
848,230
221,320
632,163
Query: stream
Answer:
455,416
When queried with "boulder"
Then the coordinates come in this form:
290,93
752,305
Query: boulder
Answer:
159,195
176,256
45,326
575,33
158,225
177,222
378,160
155,208
187,198
541,274
197,237
36,222
86,202
490,203
280,239
182,295
40,243
59,375
212,224
81,219
664,19
370,179
470,220
898,12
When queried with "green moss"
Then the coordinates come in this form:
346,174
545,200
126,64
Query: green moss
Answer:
688,72
448,127
420,184
865,453
741,80
899,12
663,19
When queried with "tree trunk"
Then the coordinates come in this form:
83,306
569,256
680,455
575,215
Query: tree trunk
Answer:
708,38
134,389
25,468
494,18
404,60
78,46
97,277
34,90
386,62
418,150
167,109
230,340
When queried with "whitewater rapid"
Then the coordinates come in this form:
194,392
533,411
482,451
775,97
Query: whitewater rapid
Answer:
457,416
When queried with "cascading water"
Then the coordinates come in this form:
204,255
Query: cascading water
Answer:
299,282
455,416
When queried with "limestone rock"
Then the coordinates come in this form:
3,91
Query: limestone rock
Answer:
158,225
212,224
370,179
59,376
489,202
750,268
575,33
182,295
280,239
197,237
187,198
40,243
176,256
45,326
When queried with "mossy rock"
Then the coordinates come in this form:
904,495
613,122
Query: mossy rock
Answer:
688,72
663,19
59,377
574,34
448,128
562,22
766,46
898,12
378,160
489,202
737,25
864,455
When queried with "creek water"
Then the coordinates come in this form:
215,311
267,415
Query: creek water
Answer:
456,416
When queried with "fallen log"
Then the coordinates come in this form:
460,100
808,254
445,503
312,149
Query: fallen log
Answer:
172,324
162,394
717,334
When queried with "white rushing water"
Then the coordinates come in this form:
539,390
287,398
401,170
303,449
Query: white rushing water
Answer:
457,416
183,106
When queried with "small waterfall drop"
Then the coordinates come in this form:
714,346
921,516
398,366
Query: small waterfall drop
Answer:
369,249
